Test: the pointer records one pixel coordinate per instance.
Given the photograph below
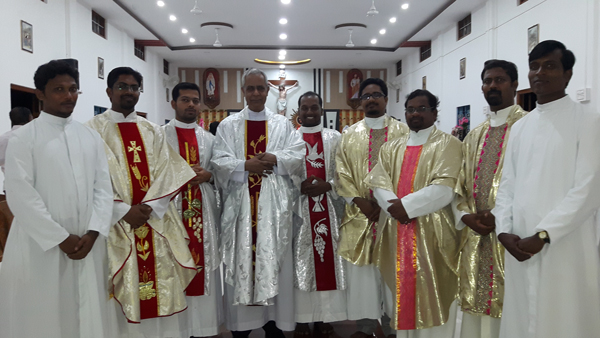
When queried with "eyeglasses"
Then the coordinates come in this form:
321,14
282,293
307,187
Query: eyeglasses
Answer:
123,87
313,109
187,100
499,80
376,95
421,109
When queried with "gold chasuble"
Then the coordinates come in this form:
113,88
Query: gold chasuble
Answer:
151,266
356,156
482,259
419,260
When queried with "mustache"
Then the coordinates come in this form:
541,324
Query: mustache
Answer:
494,91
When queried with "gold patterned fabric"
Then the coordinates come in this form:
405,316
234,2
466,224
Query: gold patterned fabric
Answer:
352,163
437,240
482,262
175,265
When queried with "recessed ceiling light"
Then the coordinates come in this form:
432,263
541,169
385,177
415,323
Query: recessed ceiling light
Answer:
286,1
172,17
404,6
392,20
282,52
281,57
373,41
283,36
184,31
382,31
283,21
160,3
192,40
281,66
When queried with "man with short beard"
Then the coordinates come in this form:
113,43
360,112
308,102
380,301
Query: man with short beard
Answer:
357,155
482,260
417,246
197,205
150,263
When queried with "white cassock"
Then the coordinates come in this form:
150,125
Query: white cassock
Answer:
425,201
57,184
273,287
551,182
312,305
204,313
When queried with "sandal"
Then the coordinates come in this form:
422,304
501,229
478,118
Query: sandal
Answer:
324,330
302,330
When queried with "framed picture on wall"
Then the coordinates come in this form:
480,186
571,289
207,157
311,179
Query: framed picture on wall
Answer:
424,83
353,79
100,68
533,37
26,37
167,91
463,68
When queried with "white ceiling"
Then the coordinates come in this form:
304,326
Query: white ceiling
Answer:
310,29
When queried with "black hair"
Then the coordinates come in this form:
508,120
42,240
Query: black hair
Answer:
212,127
374,81
19,116
546,47
309,93
114,74
52,69
431,99
183,86
509,67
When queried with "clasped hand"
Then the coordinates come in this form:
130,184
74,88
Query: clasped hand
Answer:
314,189
398,212
78,247
483,222
521,248
261,164
368,207
202,175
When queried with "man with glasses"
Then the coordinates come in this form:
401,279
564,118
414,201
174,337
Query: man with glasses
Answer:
149,260
197,206
482,259
256,154
417,247
357,155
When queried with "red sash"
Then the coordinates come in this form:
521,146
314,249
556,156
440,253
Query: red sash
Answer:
319,216
139,178
406,249
191,208
256,143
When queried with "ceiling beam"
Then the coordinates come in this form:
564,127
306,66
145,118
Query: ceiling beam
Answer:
151,43
427,22
406,44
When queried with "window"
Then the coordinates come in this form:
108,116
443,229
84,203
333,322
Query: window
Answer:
425,52
139,50
464,27
98,24
399,68
520,2
166,67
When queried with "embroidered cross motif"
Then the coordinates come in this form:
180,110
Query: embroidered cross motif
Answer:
135,148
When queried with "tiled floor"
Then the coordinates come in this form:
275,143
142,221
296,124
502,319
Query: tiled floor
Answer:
342,329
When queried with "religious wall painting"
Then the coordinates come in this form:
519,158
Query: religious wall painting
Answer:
100,68
463,68
210,80
533,37
99,110
463,122
167,94
26,36
353,79
424,80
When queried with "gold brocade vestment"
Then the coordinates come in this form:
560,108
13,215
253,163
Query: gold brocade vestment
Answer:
352,164
168,173
482,259
437,241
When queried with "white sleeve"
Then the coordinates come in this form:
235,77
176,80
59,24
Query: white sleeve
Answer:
458,215
382,196
103,194
427,200
159,206
120,209
239,174
279,169
349,200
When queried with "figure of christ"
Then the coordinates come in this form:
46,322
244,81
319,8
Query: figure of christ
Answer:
280,86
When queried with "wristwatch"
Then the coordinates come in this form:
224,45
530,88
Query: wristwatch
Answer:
543,235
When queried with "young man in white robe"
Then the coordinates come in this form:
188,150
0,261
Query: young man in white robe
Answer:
544,210
200,212
319,271
256,152
53,278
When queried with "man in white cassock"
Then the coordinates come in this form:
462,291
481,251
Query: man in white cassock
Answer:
544,210
256,152
199,210
53,278
319,271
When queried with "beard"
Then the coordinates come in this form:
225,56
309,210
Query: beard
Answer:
494,100
372,112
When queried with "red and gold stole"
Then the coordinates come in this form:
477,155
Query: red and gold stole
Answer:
256,143
191,208
139,178
406,249
319,216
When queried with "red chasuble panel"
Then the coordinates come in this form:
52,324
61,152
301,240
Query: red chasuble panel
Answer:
319,216
139,178
256,143
191,209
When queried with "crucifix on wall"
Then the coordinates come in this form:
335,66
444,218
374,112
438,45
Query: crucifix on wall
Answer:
283,86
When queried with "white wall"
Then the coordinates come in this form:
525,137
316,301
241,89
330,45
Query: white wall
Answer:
499,30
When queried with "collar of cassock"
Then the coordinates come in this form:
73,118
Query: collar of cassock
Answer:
559,105
375,122
420,137
55,120
311,130
499,117
257,116
119,118
184,125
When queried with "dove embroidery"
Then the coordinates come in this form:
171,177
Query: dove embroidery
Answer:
313,156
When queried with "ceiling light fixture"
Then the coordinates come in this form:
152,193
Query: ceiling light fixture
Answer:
281,57
287,63
392,20
283,36
350,44
196,10
281,66
286,2
373,41
160,3
382,31
172,17
404,6
192,40
372,11
283,21
217,42
184,31
282,52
